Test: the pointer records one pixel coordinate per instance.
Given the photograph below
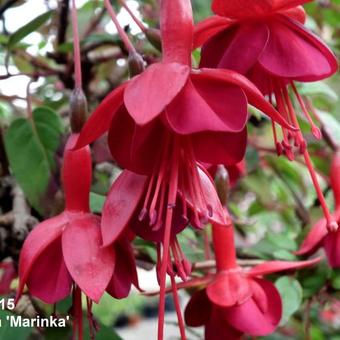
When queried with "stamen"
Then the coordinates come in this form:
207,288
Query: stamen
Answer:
315,130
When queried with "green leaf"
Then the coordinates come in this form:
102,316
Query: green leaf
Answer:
291,294
318,88
30,146
12,333
96,202
30,27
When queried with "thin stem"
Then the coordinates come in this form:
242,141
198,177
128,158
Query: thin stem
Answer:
76,47
178,307
121,32
133,16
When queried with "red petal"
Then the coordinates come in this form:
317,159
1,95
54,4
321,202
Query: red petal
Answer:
247,44
250,319
214,147
90,265
271,267
312,241
145,97
37,241
219,106
229,288
332,248
177,31
100,119
254,96
245,9
296,13
77,188
208,28
125,271
295,53
49,279
217,328
198,309
121,202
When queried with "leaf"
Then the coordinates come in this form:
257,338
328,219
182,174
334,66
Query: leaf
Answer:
96,202
331,125
12,333
291,294
30,146
318,88
30,27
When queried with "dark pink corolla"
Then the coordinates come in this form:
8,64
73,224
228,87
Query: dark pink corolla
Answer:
67,250
237,302
319,237
267,42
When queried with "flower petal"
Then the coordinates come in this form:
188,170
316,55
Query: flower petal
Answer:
335,178
219,107
253,94
49,279
248,43
271,267
198,310
121,202
125,272
229,288
331,244
37,241
90,265
249,317
296,13
215,147
315,236
245,9
295,53
208,28
217,328
145,97
100,119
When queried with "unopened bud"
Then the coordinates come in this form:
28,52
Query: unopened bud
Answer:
136,63
222,184
154,36
78,110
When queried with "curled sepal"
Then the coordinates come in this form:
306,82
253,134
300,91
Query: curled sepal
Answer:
76,186
176,31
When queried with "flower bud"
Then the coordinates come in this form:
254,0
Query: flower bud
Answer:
136,63
154,37
78,110
222,184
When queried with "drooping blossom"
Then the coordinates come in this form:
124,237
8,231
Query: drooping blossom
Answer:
319,237
165,120
65,252
236,301
267,42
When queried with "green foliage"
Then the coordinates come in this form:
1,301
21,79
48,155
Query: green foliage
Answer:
31,144
30,27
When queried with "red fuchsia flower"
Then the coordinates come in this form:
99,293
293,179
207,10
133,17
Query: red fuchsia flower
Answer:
165,120
66,250
235,301
267,42
319,237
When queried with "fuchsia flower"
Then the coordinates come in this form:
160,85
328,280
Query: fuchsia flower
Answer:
267,42
235,301
319,236
67,249
8,274
160,124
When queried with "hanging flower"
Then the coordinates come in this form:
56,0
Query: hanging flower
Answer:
67,252
236,301
267,42
319,237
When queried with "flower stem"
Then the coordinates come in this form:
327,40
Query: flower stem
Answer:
76,47
178,307
127,43
133,16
